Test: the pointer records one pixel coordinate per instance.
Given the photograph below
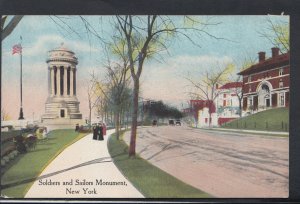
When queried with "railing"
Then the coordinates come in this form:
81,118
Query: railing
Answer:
266,126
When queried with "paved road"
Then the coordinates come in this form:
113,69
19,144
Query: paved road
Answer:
221,164
88,168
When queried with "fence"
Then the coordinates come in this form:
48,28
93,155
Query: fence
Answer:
267,125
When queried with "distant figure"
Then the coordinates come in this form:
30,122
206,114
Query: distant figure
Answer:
39,133
100,132
95,130
77,128
45,133
154,123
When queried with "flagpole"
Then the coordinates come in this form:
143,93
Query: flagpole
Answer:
21,117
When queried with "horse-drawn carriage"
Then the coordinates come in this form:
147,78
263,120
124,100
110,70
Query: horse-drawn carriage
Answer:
28,142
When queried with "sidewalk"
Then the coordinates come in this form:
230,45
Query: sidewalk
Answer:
83,170
247,131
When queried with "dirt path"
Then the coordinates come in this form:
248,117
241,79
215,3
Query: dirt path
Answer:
222,164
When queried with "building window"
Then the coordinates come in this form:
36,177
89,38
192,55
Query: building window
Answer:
250,89
281,99
224,96
280,71
249,78
281,84
250,101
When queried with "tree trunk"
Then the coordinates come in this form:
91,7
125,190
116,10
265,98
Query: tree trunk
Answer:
116,121
120,119
127,119
112,118
90,117
209,112
240,104
134,118
11,26
90,113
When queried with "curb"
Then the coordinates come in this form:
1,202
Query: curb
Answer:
247,131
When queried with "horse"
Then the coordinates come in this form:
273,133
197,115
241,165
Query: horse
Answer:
31,141
20,144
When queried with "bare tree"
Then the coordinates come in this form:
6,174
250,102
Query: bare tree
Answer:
145,37
277,32
4,115
116,85
206,88
247,62
11,25
94,95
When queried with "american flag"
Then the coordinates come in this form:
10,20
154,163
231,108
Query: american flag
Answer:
17,49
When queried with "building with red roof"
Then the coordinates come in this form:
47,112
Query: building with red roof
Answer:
231,85
266,84
228,101
196,105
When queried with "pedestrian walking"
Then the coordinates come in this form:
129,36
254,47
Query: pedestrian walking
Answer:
77,128
100,132
95,132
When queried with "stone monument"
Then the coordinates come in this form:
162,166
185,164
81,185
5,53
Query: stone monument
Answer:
62,105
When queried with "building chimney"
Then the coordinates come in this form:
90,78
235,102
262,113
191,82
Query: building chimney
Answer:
275,51
261,56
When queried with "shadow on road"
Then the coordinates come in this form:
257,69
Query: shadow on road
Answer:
94,161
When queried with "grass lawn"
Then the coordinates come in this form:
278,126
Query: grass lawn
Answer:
270,120
151,181
23,171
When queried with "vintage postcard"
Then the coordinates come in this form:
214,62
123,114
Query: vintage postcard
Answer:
145,106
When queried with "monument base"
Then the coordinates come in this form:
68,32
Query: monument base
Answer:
62,123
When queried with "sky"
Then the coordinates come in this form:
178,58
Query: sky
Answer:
162,77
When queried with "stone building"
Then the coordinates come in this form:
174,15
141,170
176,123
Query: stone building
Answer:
267,83
62,105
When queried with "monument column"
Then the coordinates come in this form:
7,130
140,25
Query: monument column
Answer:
65,80
52,80
74,82
71,81
49,80
58,81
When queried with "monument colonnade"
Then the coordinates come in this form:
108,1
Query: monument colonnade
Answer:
62,80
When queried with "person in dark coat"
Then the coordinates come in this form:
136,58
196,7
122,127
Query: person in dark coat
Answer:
100,132
95,132
77,127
